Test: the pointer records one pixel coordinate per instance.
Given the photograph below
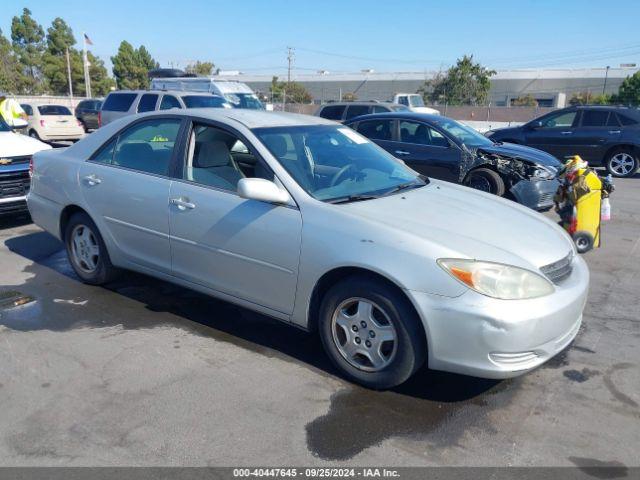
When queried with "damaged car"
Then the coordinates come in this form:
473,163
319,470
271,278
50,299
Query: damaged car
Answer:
442,148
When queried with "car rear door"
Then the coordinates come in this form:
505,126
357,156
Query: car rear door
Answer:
555,135
380,131
126,189
427,151
598,131
243,248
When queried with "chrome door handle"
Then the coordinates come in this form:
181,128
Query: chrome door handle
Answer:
182,203
92,180
613,132
566,133
402,152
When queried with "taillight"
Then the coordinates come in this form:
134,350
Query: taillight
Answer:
99,119
79,123
31,167
43,123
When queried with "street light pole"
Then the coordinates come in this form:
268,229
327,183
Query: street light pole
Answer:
606,74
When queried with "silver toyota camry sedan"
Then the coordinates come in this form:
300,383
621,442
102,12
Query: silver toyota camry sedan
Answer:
307,221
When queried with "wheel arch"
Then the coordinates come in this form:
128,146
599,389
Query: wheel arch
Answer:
621,146
330,278
66,214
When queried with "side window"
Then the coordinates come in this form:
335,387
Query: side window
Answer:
613,120
420,134
119,102
147,146
594,118
377,129
147,102
356,111
219,159
624,120
168,102
380,109
27,109
562,120
332,112
403,101
105,154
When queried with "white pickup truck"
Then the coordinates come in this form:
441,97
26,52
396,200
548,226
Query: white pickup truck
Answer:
413,102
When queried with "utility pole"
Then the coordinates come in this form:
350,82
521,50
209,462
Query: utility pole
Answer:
606,74
85,67
290,56
69,75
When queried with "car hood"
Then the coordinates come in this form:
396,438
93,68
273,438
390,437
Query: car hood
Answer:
15,145
522,152
461,222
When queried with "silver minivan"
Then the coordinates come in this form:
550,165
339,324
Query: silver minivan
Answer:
129,102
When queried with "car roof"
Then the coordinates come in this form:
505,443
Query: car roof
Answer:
367,103
179,93
250,118
403,114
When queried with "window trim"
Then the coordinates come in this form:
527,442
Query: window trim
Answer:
116,137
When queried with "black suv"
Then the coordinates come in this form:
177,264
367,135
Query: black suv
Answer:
601,135
87,112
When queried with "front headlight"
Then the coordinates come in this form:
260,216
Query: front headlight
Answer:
543,173
497,280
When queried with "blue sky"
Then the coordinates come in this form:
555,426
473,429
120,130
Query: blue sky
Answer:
350,35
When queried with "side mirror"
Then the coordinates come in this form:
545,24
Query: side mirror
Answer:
535,124
262,190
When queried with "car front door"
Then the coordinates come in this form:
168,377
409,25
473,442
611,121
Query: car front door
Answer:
427,151
555,134
126,189
243,248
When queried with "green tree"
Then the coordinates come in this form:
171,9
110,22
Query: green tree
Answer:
101,82
466,83
629,91
11,76
525,101
588,98
60,39
27,37
295,92
201,69
131,66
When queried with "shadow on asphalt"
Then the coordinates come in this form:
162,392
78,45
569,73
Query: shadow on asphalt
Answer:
357,418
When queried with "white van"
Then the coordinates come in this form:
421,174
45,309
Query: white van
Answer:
237,93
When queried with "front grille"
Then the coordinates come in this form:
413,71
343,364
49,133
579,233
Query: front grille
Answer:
560,270
545,198
14,184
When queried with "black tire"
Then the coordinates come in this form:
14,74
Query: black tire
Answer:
486,180
584,241
104,271
410,347
614,164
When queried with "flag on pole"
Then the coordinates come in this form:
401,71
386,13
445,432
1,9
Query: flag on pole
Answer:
87,39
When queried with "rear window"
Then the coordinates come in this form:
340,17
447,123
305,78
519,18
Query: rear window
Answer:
53,110
168,102
356,111
119,102
204,101
332,112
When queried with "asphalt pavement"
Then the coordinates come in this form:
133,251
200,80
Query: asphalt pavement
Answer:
142,372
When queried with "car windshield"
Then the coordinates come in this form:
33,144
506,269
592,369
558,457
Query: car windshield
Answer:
463,133
416,101
244,100
335,164
53,110
204,101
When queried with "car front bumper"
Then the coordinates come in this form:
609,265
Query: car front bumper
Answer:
484,337
535,194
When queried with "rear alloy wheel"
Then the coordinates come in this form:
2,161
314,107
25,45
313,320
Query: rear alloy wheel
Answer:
486,180
87,252
622,163
371,332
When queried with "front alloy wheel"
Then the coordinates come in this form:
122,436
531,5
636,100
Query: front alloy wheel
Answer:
363,334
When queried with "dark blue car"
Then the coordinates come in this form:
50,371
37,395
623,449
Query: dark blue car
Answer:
442,148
